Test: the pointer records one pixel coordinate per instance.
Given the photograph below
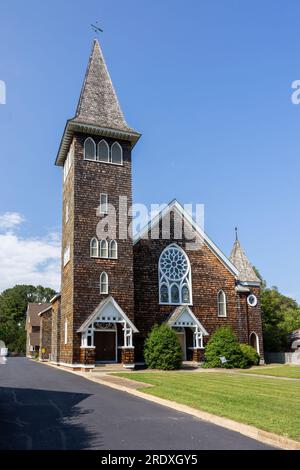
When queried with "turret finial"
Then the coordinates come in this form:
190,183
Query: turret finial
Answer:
236,234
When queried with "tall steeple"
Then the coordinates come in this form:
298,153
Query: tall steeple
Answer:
98,103
98,110
241,262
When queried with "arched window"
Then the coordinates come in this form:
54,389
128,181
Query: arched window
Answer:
222,304
113,249
103,283
253,340
103,249
174,294
89,149
103,151
164,294
175,286
94,246
116,153
185,294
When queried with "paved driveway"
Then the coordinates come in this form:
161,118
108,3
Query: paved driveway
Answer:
45,408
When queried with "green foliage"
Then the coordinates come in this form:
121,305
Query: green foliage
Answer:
280,317
162,349
250,354
13,306
224,343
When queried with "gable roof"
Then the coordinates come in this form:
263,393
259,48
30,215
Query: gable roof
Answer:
33,310
176,206
97,312
98,111
240,260
182,316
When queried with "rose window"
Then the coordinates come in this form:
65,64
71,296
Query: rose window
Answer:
173,264
174,276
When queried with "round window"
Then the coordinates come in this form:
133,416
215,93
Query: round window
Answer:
252,300
173,264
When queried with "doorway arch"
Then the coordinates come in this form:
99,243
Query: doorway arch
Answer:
253,341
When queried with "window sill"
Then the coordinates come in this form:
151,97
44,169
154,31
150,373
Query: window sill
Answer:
105,163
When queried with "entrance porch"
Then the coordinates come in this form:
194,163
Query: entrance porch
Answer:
190,333
106,336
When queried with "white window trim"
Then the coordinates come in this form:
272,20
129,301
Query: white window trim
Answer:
106,249
105,211
105,283
98,153
67,213
187,280
68,162
91,248
95,150
224,302
67,255
111,149
257,341
66,332
109,249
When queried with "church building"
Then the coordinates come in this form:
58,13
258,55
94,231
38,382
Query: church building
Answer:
115,288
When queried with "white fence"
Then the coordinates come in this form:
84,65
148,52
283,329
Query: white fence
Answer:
283,358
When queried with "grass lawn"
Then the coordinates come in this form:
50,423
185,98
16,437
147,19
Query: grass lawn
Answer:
269,404
286,370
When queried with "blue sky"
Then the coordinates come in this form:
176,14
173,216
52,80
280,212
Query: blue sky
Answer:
208,83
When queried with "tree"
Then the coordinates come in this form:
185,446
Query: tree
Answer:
13,306
280,317
162,349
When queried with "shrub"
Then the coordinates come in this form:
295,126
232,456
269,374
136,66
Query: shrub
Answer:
250,355
162,349
224,343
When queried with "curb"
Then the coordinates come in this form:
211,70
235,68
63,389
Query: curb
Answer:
247,430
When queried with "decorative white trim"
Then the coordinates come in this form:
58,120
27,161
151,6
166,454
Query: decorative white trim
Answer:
175,206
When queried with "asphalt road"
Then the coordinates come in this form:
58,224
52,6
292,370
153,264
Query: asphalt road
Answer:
45,408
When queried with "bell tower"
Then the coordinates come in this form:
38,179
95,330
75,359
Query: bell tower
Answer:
97,292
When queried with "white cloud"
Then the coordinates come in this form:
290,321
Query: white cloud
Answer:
10,220
27,260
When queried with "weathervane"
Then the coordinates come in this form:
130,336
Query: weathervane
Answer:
96,28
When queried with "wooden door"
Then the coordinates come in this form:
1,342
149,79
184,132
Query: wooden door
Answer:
105,343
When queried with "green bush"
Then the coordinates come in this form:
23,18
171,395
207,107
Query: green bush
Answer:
162,349
250,355
224,343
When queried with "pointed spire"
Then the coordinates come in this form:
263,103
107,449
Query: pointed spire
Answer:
98,103
241,262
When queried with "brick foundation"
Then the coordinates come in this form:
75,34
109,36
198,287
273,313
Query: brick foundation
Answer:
198,355
127,356
87,356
